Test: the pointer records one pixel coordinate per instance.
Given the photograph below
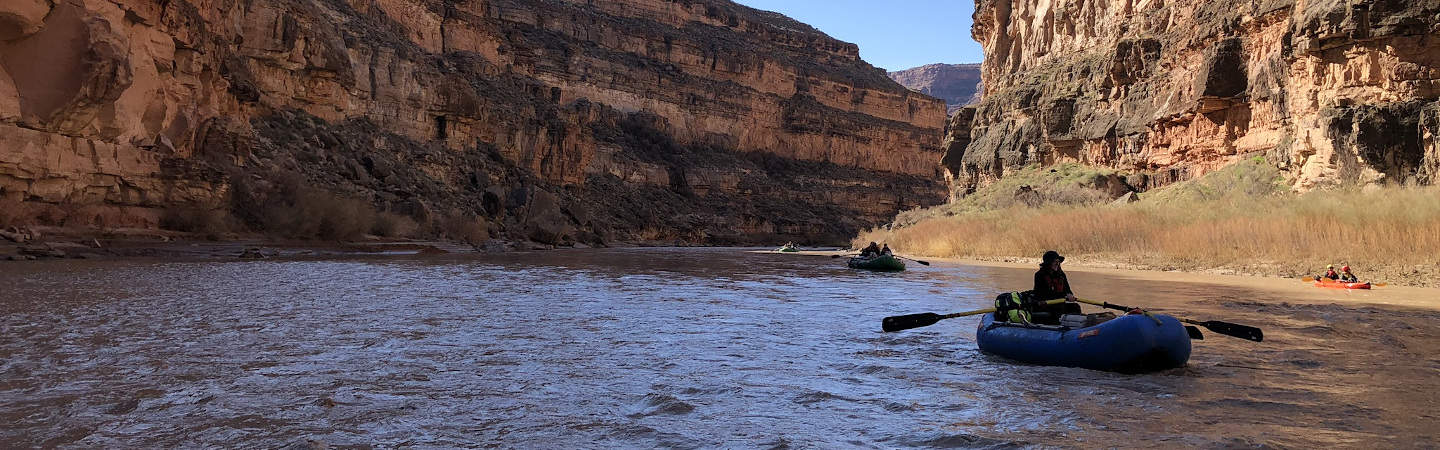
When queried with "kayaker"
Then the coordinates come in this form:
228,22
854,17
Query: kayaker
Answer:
1050,284
1330,272
871,251
886,250
1347,277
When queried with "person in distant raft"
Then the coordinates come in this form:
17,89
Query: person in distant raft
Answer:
1347,277
886,250
871,251
1330,272
1028,306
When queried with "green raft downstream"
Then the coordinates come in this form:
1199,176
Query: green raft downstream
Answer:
882,263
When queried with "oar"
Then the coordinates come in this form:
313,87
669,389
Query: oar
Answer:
923,263
899,323
1225,328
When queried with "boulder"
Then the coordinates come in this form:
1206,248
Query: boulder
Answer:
1028,196
546,222
1126,199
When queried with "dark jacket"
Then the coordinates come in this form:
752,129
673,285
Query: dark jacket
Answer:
1050,285
873,250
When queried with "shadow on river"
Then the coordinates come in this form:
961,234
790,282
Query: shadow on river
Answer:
663,347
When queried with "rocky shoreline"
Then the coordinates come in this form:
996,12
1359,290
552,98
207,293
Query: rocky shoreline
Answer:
57,243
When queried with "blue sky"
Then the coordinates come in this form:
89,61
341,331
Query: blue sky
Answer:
892,34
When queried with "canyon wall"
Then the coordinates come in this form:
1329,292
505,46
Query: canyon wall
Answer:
1334,92
556,120
957,84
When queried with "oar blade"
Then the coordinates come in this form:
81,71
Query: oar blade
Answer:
898,323
1235,329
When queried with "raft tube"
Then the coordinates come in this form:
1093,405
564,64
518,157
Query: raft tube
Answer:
882,263
1130,344
1328,283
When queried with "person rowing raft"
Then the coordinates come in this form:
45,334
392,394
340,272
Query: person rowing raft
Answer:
1330,273
1347,277
1029,306
870,251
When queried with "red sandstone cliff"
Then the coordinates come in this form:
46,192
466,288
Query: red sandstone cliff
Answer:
697,120
957,84
1331,91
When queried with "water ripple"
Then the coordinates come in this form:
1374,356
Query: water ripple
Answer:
644,348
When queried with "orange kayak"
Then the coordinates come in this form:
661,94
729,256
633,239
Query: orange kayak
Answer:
1328,283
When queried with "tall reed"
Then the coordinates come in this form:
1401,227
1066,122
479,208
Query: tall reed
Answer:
1230,220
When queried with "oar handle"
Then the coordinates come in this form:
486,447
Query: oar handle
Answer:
1119,308
1106,305
909,321
990,310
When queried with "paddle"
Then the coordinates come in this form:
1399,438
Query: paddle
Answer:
899,323
1225,328
923,263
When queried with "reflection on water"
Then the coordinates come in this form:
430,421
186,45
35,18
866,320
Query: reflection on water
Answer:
674,348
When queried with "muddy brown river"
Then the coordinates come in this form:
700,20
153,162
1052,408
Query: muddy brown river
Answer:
687,348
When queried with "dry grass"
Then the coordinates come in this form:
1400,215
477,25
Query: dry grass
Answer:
391,225
211,221
314,214
1235,219
463,227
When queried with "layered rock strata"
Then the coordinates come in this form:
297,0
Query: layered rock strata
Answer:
957,84
1331,91
708,121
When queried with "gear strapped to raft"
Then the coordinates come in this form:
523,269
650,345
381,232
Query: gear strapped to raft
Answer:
1014,307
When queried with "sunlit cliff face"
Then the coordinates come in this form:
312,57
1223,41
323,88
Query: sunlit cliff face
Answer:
1331,93
137,106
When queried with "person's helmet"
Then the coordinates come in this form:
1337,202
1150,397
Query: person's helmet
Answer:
1346,268
1329,266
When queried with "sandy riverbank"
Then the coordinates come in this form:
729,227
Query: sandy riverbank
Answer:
1294,288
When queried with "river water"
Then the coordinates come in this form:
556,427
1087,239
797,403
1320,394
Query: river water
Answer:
664,348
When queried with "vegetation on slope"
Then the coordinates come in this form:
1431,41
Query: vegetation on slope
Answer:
1240,218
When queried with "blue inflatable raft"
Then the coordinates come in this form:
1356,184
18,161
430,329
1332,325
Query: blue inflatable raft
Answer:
1130,344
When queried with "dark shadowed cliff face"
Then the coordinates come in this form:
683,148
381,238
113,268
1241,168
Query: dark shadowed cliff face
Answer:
1331,91
555,120
957,84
